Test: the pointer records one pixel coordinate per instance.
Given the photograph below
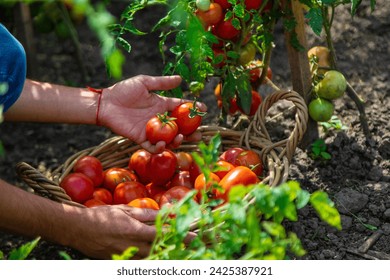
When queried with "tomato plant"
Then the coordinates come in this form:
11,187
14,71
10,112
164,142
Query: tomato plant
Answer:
92,167
78,186
128,191
188,117
321,110
332,85
161,128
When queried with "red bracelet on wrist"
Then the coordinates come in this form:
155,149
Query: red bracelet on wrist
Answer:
98,91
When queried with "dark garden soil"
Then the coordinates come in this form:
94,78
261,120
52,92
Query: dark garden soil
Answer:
357,177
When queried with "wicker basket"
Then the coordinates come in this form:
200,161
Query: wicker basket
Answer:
116,151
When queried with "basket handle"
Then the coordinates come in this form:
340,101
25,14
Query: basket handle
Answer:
257,126
42,185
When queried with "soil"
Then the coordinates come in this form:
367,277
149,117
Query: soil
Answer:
357,177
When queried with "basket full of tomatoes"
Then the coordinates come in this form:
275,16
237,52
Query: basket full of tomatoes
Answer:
119,171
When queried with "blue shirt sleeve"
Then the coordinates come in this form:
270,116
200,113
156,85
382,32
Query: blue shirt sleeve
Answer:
13,67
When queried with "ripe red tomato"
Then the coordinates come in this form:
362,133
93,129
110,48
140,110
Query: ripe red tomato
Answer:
184,161
144,202
240,175
115,175
194,172
78,186
161,128
173,195
231,154
188,117
253,4
138,162
225,30
93,202
251,160
103,195
224,4
201,185
92,167
222,168
154,189
212,16
181,178
162,167
128,191
256,67
255,103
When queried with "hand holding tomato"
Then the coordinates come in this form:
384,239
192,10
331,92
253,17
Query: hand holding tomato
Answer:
126,107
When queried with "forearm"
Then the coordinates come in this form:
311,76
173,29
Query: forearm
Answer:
44,102
31,215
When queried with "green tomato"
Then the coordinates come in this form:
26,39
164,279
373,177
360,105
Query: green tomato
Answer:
321,110
332,86
247,54
203,5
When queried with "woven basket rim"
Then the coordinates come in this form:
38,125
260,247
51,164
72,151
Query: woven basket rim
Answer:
116,151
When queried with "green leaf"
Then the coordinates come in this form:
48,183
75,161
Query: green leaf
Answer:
1,255
129,26
126,45
239,11
22,252
65,255
126,254
303,199
325,155
114,63
274,229
314,15
325,208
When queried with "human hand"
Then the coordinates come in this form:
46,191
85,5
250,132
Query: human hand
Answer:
127,106
106,230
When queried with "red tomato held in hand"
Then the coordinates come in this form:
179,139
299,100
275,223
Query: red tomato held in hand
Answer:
128,191
188,118
103,195
212,16
139,162
225,30
144,202
240,175
92,167
251,160
173,195
161,128
116,175
162,167
78,186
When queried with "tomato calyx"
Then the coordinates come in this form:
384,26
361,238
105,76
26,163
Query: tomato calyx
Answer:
194,111
165,119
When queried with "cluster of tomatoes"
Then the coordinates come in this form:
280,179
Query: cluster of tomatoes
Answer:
184,119
230,37
154,180
328,84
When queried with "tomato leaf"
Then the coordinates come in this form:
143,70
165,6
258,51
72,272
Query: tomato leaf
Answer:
325,208
314,15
